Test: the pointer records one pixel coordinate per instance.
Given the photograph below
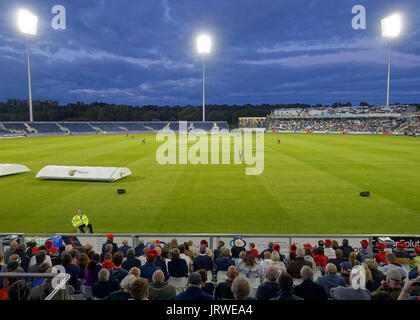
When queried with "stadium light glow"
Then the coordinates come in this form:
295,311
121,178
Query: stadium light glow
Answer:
204,48
391,28
203,44
27,22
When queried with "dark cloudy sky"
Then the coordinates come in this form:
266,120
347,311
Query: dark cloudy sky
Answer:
265,51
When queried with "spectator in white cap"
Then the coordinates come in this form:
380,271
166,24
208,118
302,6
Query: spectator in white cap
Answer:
357,289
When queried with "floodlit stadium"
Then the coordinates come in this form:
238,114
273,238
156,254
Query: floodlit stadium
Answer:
209,161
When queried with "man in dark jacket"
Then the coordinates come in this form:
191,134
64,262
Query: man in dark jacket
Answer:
124,293
285,286
118,273
270,249
194,291
330,279
131,261
104,286
203,261
224,289
294,267
124,248
139,249
338,259
40,259
269,288
308,289
217,253
346,250
110,240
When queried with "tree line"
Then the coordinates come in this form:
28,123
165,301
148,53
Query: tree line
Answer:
15,110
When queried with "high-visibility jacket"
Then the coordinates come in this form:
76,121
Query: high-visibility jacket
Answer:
79,220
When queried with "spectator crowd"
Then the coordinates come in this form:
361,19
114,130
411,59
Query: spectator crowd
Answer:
184,271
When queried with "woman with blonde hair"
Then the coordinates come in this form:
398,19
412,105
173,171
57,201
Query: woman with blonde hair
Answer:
275,262
371,285
353,259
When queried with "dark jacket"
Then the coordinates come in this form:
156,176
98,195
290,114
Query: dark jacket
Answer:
178,268
101,289
293,268
337,262
223,264
114,246
118,295
73,270
130,263
203,262
267,291
330,281
124,249
160,263
118,274
261,256
194,293
346,251
162,291
236,251
139,250
287,296
309,290
147,270
224,290
208,288
24,259
377,276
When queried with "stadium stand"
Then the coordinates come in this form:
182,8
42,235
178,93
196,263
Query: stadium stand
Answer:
78,127
15,127
44,127
132,126
394,119
106,127
326,270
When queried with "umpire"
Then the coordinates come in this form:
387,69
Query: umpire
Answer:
81,222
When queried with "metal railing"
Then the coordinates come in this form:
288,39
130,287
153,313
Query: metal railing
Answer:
59,281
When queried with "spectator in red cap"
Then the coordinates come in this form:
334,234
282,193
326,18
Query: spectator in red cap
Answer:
204,243
380,256
110,240
415,262
365,252
402,256
149,268
328,251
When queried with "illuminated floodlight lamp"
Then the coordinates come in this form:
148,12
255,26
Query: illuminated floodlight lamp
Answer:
203,44
391,26
27,22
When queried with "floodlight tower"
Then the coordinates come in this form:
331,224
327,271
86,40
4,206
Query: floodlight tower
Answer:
391,28
28,25
203,48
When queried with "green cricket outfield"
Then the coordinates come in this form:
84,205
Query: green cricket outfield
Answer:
310,184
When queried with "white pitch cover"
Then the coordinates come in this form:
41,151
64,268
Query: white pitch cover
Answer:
109,174
8,169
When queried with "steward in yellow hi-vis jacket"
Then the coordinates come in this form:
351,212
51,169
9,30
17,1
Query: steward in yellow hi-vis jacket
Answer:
81,222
